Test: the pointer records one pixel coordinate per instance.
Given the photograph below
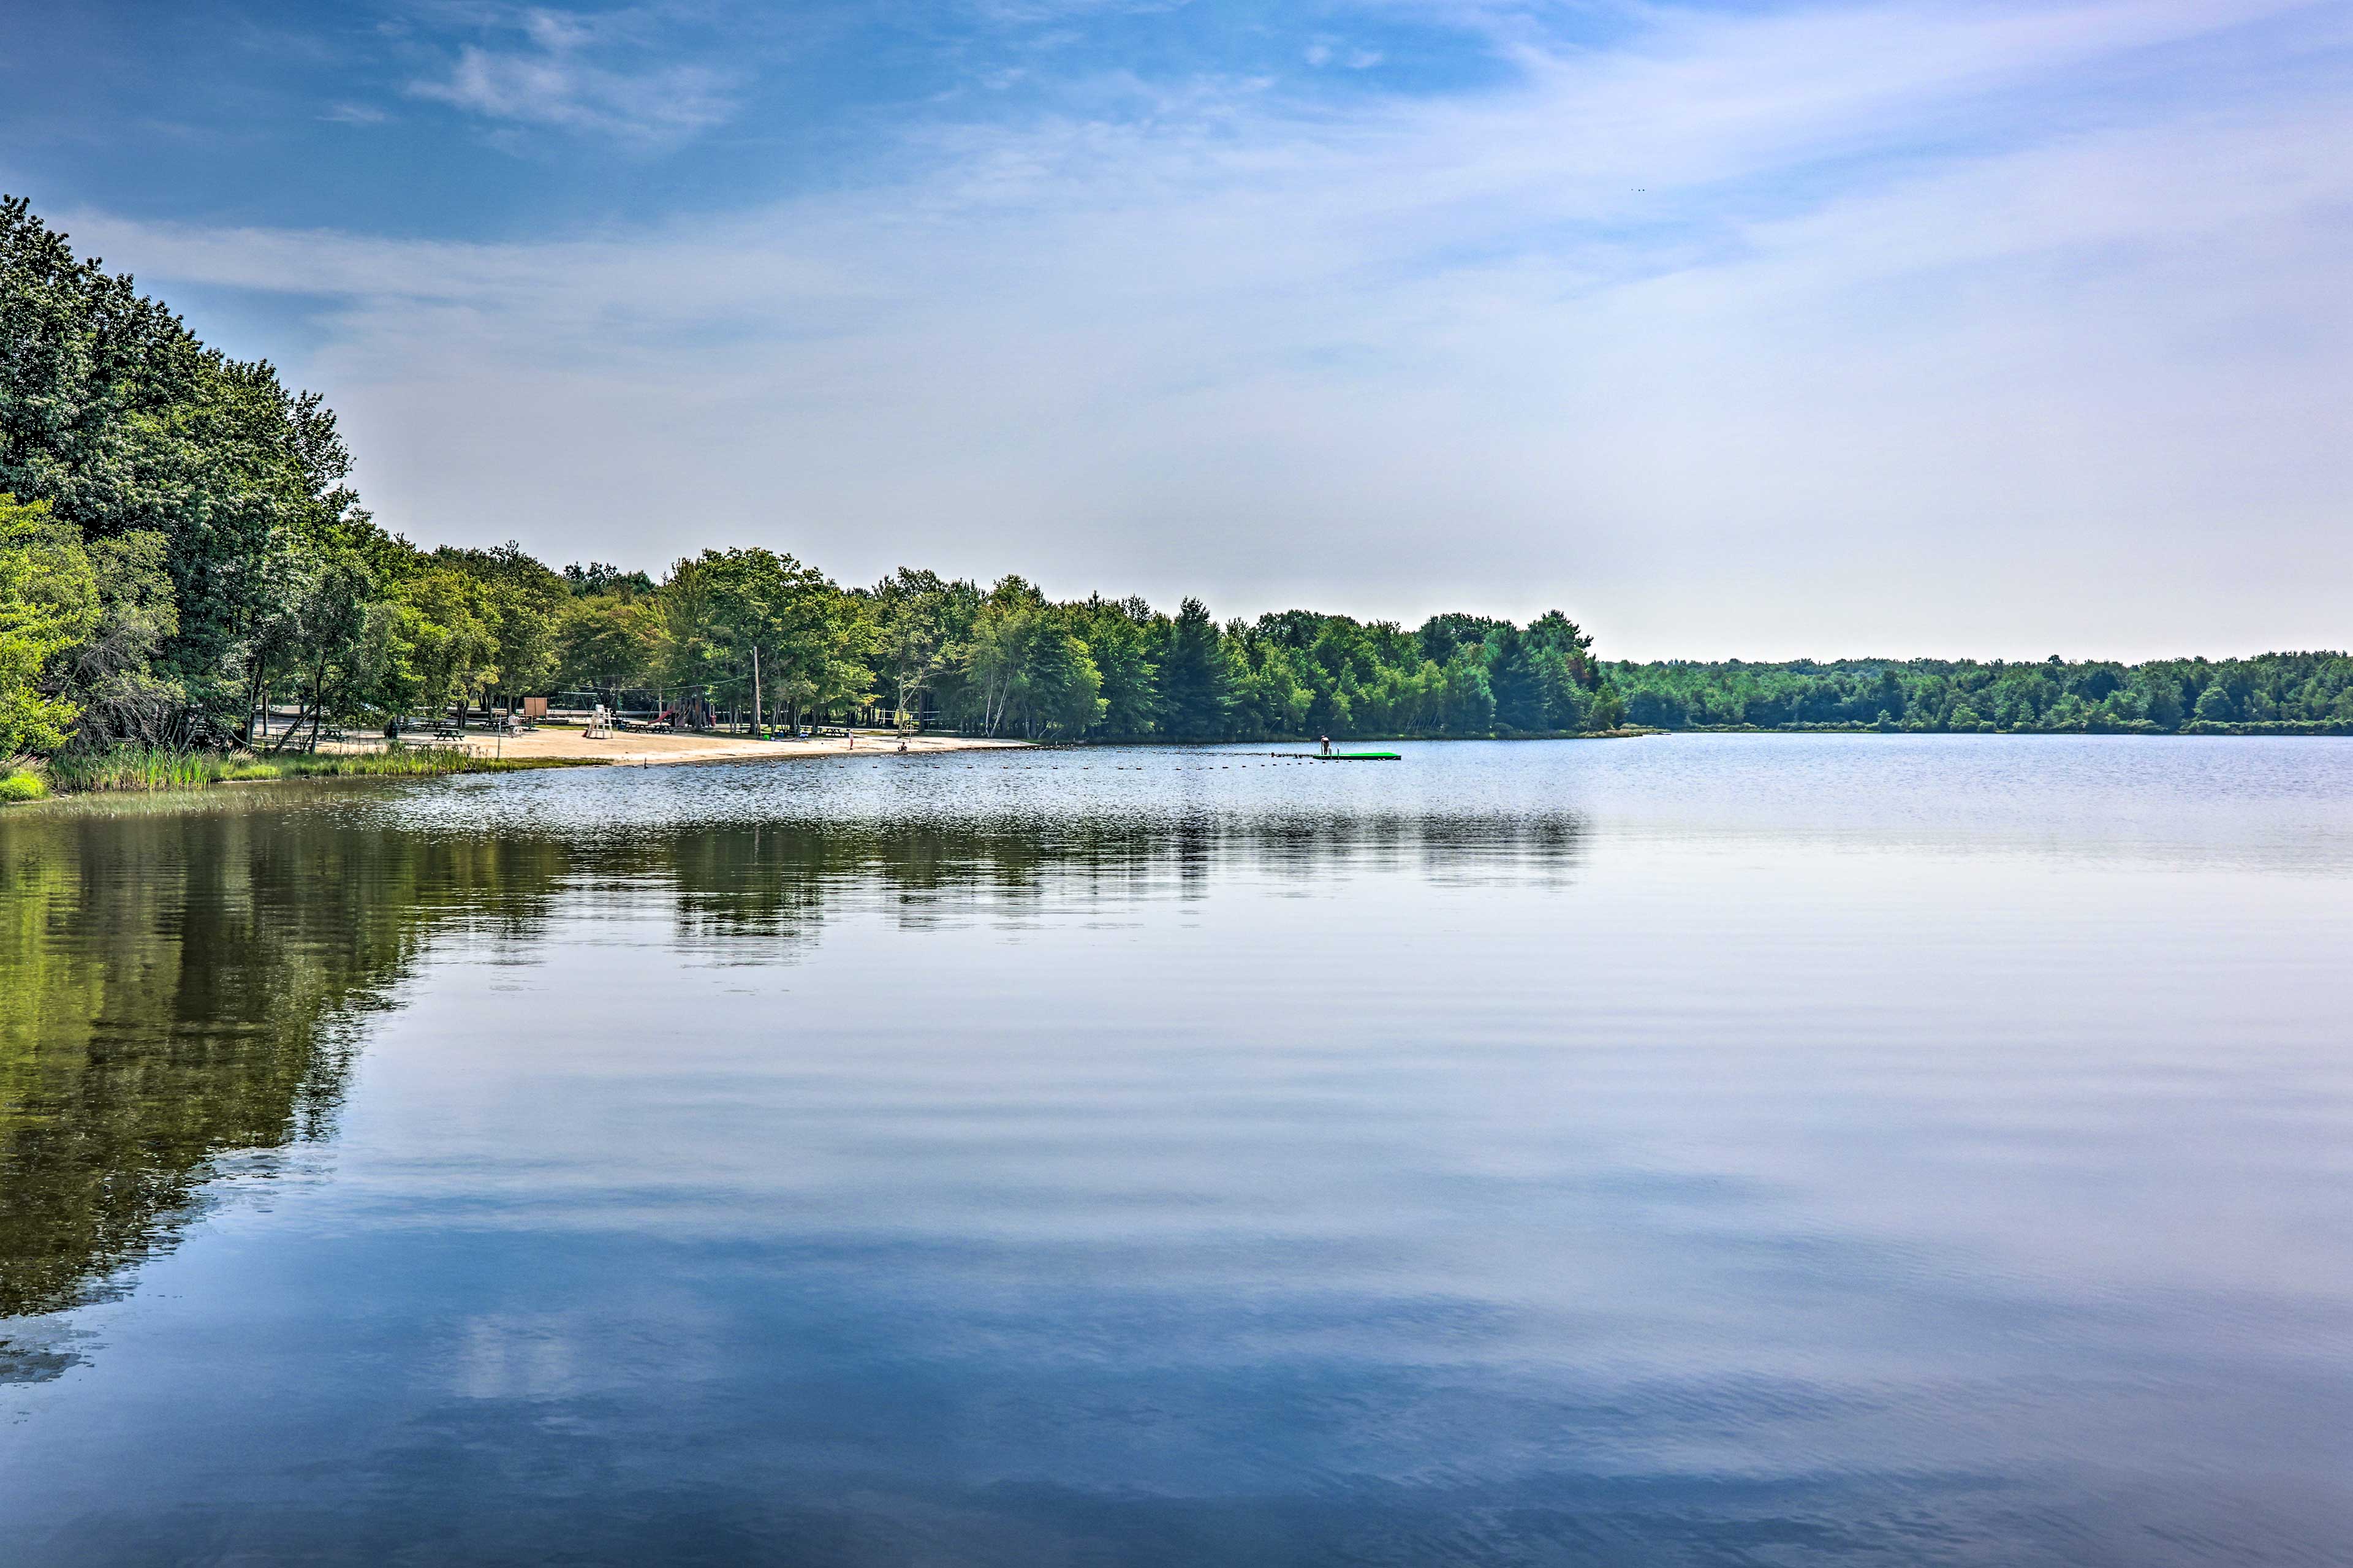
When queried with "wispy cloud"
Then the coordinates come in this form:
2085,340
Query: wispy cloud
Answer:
1331,51
1907,311
567,71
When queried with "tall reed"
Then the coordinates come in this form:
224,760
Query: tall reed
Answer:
133,767
142,768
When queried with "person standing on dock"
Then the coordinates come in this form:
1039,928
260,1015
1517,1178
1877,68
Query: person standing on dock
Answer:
1327,745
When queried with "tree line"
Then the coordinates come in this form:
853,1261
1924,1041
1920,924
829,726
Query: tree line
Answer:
745,625
2273,692
180,549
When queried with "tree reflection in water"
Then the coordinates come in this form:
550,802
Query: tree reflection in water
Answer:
189,981
184,984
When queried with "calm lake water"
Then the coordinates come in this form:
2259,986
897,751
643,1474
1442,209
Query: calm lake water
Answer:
1698,1150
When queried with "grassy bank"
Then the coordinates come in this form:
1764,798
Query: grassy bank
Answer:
144,769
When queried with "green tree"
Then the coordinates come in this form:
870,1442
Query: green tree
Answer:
720,612
605,641
1120,637
109,676
1196,676
523,605
1026,670
1440,635
1514,681
447,648
49,604
112,411
1274,699
338,640
1469,702
920,623
598,579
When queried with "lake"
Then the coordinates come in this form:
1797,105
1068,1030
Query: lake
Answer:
1741,1150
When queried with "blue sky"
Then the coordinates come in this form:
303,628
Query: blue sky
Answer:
1762,330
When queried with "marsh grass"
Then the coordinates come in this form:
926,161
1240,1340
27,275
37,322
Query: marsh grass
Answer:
133,769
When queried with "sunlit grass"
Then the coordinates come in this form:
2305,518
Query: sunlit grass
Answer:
139,770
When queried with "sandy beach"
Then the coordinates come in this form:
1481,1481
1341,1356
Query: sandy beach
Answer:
636,748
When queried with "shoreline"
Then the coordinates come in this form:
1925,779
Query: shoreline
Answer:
563,746
559,747
634,747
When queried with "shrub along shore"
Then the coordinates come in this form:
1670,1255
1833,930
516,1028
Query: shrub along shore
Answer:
136,769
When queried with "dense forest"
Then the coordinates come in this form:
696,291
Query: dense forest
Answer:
180,549
2309,693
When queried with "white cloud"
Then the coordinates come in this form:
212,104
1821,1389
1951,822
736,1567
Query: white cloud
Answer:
552,78
2043,381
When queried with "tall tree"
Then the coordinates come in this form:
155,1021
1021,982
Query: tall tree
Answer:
813,641
48,602
1026,670
1119,636
1513,680
1197,679
523,602
111,411
920,623
605,641
110,676
447,647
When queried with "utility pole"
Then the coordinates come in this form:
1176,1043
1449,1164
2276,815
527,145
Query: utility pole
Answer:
755,690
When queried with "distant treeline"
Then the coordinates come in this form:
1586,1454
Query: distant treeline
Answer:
179,550
2300,693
